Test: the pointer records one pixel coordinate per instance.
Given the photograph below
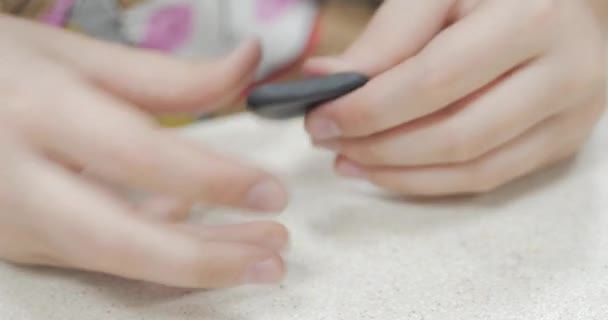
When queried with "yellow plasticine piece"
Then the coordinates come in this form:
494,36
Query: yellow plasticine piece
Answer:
175,121
73,27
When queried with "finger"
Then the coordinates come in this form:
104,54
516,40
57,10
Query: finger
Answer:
376,50
19,241
462,59
494,117
270,235
92,231
264,234
170,209
155,206
119,144
550,142
149,79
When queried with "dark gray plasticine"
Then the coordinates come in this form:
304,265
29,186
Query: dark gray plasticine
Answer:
296,98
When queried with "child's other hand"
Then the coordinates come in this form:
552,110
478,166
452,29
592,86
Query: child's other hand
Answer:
467,95
69,104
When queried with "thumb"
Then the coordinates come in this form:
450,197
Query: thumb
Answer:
398,31
151,80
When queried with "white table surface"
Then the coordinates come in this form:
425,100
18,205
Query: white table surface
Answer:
537,249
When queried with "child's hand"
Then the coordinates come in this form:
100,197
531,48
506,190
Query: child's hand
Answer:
466,95
69,104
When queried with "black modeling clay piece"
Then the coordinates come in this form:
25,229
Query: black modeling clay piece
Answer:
296,98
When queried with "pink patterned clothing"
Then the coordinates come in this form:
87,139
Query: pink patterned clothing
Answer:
188,28
185,27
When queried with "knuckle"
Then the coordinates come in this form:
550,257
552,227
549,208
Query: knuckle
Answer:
435,79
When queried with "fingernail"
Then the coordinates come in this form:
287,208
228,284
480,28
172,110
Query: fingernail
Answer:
349,169
267,196
267,271
323,129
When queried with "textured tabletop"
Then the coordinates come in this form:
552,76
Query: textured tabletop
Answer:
537,249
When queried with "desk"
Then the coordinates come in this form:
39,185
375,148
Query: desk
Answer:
536,249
